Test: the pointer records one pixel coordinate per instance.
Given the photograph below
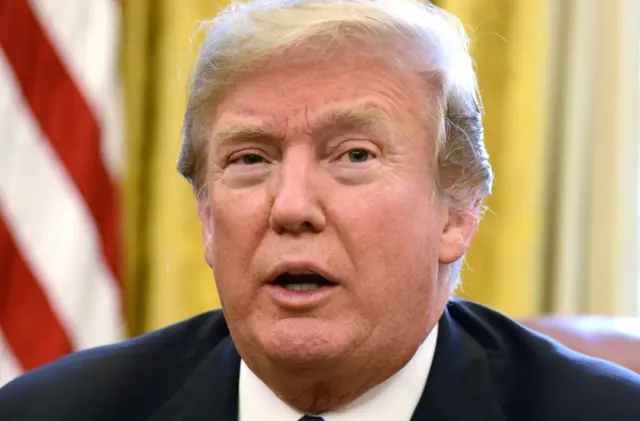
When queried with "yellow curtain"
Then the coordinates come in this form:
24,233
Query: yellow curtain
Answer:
167,278
506,264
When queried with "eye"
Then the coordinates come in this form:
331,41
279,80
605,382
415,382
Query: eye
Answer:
358,155
248,159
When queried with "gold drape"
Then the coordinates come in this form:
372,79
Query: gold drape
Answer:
506,265
167,278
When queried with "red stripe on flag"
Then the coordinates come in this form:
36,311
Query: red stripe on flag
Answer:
29,324
64,117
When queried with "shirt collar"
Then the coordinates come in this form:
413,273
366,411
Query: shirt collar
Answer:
395,398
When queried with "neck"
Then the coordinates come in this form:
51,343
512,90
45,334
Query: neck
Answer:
327,385
321,390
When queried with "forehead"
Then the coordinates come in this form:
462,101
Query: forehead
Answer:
292,90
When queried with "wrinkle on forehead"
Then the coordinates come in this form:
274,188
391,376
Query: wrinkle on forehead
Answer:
335,117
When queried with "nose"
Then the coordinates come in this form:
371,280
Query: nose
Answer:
295,209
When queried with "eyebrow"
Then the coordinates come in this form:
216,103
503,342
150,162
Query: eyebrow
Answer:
240,132
335,118
347,117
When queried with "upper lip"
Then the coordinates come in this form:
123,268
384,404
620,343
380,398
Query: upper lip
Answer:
285,267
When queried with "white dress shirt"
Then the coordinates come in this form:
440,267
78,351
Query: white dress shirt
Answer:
394,399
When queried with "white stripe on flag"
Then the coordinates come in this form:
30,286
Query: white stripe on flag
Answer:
52,227
9,366
86,36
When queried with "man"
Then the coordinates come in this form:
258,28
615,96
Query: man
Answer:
336,153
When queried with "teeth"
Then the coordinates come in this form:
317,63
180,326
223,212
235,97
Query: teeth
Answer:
301,287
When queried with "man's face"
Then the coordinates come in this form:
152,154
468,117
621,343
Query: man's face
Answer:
322,225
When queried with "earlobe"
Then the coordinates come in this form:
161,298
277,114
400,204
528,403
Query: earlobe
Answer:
206,224
457,234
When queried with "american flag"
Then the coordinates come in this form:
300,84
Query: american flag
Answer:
60,156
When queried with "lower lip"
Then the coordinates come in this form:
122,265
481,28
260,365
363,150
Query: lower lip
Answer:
300,300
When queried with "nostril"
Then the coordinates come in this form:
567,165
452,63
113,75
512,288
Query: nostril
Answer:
295,228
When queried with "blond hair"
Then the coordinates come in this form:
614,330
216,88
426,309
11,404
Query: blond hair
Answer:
243,33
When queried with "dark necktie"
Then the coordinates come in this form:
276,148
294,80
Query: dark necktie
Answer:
310,418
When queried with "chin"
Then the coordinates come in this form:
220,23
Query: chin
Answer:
300,343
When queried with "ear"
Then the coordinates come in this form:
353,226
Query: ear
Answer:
206,223
457,232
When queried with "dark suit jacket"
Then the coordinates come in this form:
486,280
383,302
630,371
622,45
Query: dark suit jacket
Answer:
486,368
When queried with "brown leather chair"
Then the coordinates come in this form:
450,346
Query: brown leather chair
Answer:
614,339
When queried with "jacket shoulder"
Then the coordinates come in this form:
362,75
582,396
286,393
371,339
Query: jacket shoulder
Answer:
122,381
536,377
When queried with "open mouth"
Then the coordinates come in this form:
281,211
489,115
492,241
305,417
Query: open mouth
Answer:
302,281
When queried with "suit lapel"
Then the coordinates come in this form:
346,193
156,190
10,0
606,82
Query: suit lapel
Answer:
210,392
459,387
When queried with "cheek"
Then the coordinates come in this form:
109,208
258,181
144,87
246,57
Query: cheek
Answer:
240,219
238,212
389,213
392,237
